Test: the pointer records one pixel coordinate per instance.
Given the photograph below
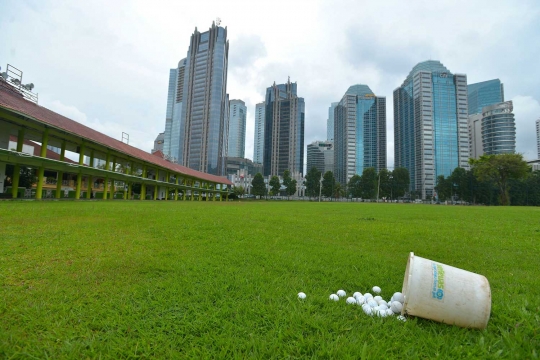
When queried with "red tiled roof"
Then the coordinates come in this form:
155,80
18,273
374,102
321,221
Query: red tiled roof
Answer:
11,101
37,150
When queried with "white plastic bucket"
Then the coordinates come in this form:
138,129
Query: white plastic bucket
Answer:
446,294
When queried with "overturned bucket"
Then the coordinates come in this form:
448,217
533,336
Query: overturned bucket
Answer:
446,294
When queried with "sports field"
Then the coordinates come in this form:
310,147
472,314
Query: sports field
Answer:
220,280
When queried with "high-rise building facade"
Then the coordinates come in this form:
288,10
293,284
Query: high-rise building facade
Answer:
204,125
430,125
258,143
237,129
498,129
158,143
359,133
475,136
283,130
320,155
538,137
173,117
483,94
330,122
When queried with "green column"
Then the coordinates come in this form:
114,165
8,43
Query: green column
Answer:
17,168
192,193
79,174
106,181
60,174
125,188
214,194
143,185
176,188
227,196
113,169
200,190
41,170
184,194
156,186
89,187
130,183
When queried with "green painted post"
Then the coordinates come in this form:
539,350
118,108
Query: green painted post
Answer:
176,189
60,174
143,185
79,175
156,185
41,170
184,194
113,169
125,188
106,182
17,168
89,187
214,194
200,190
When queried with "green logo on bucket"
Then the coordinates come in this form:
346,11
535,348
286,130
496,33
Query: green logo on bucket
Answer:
438,281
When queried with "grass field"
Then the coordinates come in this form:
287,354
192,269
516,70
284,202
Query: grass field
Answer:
220,280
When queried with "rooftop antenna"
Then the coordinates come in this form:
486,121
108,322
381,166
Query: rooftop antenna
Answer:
218,21
125,137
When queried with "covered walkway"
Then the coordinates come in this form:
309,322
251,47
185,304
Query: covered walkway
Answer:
123,166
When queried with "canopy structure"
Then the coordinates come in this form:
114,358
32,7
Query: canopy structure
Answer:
121,163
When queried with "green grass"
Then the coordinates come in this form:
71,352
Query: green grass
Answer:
219,280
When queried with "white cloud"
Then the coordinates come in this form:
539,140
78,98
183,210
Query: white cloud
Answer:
526,111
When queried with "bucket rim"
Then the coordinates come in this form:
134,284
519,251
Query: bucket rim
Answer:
407,282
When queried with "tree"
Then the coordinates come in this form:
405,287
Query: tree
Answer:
291,188
339,191
289,183
258,185
400,182
368,183
328,184
500,169
385,184
443,188
460,183
313,182
354,186
275,185
238,191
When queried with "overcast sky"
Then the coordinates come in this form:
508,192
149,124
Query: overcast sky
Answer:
106,63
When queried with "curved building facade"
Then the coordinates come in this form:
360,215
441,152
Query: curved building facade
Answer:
498,129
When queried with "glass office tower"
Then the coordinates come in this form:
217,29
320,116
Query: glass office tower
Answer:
258,145
359,133
283,130
175,96
538,137
483,94
498,129
330,122
431,135
204,125
237,129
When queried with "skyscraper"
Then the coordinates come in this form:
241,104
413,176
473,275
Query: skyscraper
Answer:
483,94
492,128
359,133
330,122
237,129
258,145
173,117
538,136
320,154
430,124
204,126
498,129
283,130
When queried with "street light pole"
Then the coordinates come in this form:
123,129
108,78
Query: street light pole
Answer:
320,188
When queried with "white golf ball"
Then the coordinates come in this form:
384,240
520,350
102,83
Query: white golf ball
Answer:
334,297
351,300
357,294
396,307
372,303
367,309
377,299
383,307
382,302
399,297
341,293
376,309
376,290
381,313
389,312
301,295
401,318
361,300
368,296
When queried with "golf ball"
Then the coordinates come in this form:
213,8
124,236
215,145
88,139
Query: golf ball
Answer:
399,297
389,312
301,295
376,290
368,296
334,297
382,302
341,293
367,309
377,299
372,303
396,307
381,313
357,294
401,318
351,300
361,300
383,307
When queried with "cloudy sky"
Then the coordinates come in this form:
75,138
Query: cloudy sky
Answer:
106,63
